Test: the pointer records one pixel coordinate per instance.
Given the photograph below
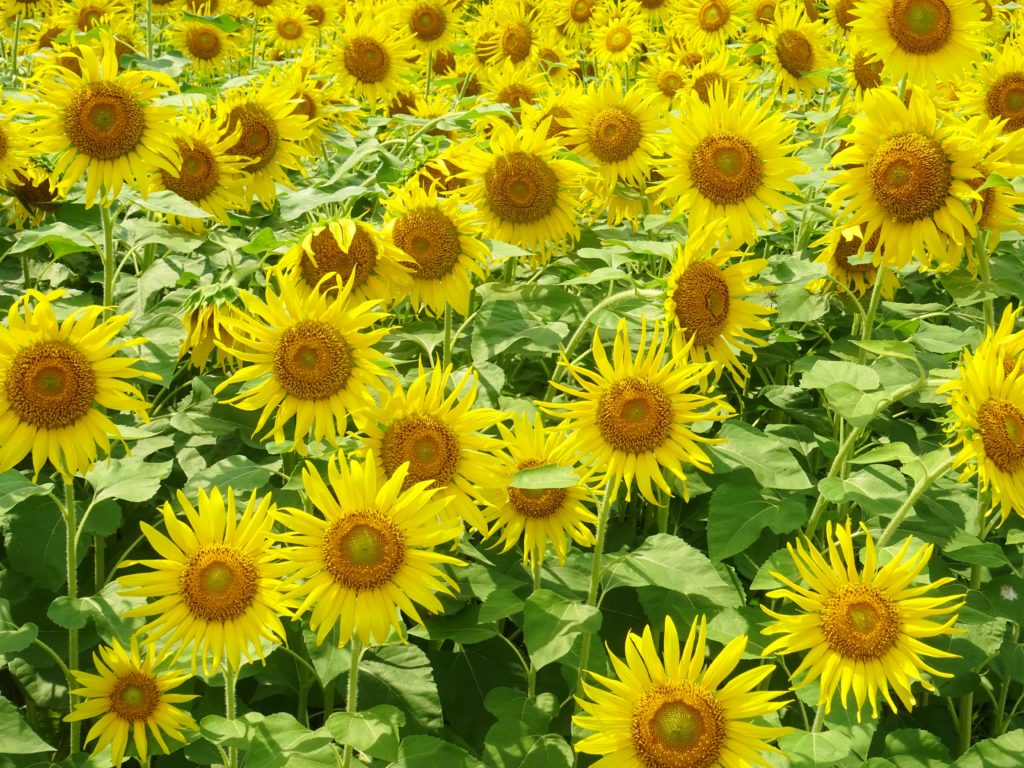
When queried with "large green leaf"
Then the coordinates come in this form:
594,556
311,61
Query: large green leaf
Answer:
401,675
551,624
16,737
511,744
738,513
12,637
373,731
130,478
767,456
431,752
15,487
1002,752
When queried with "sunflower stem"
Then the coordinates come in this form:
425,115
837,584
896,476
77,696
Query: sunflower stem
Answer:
819,719
985,273
430,72
71,550
352,700
920,487
230,711
447,350
98,566
595,578
149,29
531,675
967,702
109,258
869,316
14,48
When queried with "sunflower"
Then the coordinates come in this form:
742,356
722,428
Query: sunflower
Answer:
439,435
925,40
516,86
555,59
210,50
798,50
704,303
997,87
101,123
762,13
674,711
32,195
318,98
372,554
84,15
205,314
54,380
619,202
130,694
838,246
288,29
664,76
372,58
558,104
218,584
709,24
730,160
442,246
987,416
507,31
631,419
542,515
996,153
525,194
313,354
906,177
862,630
864,70
16,149
570,18
842,13
433,24
619,30
718,70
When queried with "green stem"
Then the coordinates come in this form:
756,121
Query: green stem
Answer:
109,258
920,487
869,316
352,700
430,74
967,702
58,660
14,48
98,549
595,579
985,273
531,675
71,550
230,712
819,719
446,351
149,29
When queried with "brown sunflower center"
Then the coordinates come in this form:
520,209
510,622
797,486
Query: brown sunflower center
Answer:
634,415
367,60
764,12
197,175
713,15
580,11
289,28
104,121
618,39
860,622
317,14
669,81
134,696
910,176
614,134
517,94
920,27
867,71
702,302
427,22
726,168
845,14
258,138
795,52
428,444
536,503
516,41
847,247
50,384
678,725
706,82
88,17
219,583
360,258
312,360
521,188
1002,434
305,105
1005,99
363,550
203,43
431,239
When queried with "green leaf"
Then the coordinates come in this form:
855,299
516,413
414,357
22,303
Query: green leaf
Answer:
738,513
812,750
62,239
281,741
878,490
547,476
670,562
1002,752
510,744
373,731
511,704
12,637
166,201
822,373
15,488
16,736
36,541
768,457
227,733
431,752
67,612
130,478
551,623
903,350
463,627
239,472
857,407
328,659
798,305
401,675
911,747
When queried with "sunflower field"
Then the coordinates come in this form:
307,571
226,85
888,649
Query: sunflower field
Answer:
512,384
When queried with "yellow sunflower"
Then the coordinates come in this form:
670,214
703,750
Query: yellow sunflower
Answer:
907,177
631,419
442,246
313,356
217,582
210,50
372,58
371,554
16,149
570,18
542,515
516,86
664,76
130,694
987,416
102,125
288,29
205,314
997,87
799,51
709,24
56,381
83,15
513,28
998,153
925,40
864,70
439,435
555,59
862,630
843,251
618,31
730,160
841,14
704,303
317,96
676,711
433,24
558,104
719,70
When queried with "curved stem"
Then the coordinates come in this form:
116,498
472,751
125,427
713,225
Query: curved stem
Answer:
230,712
595,577
352,700
58,660
918,490
71,552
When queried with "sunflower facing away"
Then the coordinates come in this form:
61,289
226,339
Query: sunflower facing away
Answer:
102,124
369,555
312,355
58,379
845,254
631,419
675,711
862,630
130,695
217,584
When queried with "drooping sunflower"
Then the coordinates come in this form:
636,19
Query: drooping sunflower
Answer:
433,24
987,416
56,381
676,711
864,70
710,321
372,57
862,629
926,40
631,419
32,195
209,49
730,160
204,315
709,24
217,582
839,247
542,515
906,177
618,30
130,694
287,29
312,354
997,87
799,51
101,124
370,557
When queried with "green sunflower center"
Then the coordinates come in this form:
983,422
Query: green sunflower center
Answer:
50,384
289,29
678,725
581,10
219,583
712,15
920,27
363,550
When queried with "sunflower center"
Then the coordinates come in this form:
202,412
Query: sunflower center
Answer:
516,41
614,134
521,188
712,15
678,725
867,72
197,176
367,60
669,82
50,384
219,583
202,43
536,503
910,176
634,415
848,247
580,11
704,84
796,55
844,13
920,27
1002,434
431,239
860,622
764,12
618,38
515,94
427,22
316,13
427,443
726,168
312,360
104,121
363,550
259,137
360,258
1005,99
702,302
134,696
88,17
289,29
